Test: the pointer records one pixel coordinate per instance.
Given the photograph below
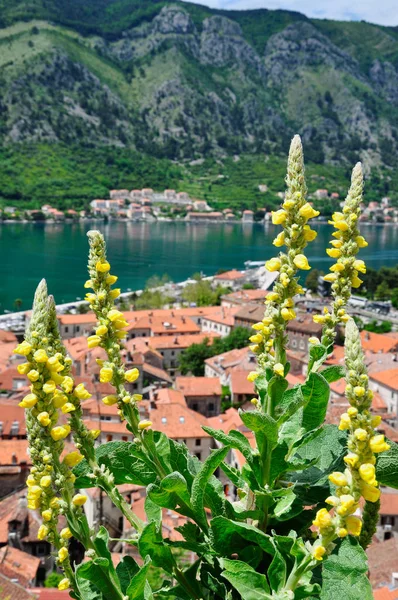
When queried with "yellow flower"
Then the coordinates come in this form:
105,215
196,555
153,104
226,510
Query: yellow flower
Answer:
115,293
370,492
338,479
361,242
345,422
361,434
73,458
279,369
111,279
360,266
88,284
44,418
60,432
336,243
319,552
367,472
109,400
375,421
333,252
55,504
318,319
120,323
131,375
330,277
47,514
322,519
106,374
24,368
45,481
272,297
288,314
252,376
59,399
340,225
279,216
337,267
29,401
274,264
67,384
93,341
53,364
43,532
309,234
342,532
353,525
24,349
90,298
101,330
356,282
114,314
377,443
68,407
65,533
301,262
40,356
64,584
256,339
359,391
81,392
103,266
308,212
279,240
144,425
352,411
62,554
79,499
314,340
351,459
49,387
347,504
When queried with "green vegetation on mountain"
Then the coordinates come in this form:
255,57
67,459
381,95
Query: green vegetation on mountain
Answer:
106,93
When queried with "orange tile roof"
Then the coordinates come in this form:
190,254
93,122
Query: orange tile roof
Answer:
22,565
10,412
9,377
225,315
240,359
199,386
7,337
389,503
14,452
169,396
168,325
156,372
378,342
389,378
14,591
239,383
108,427
385,593
242,296
169,342
383,561
178,421
226,421
230,275
88,318
50,594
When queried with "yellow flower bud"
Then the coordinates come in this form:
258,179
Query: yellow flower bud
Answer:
347,504
120,323
63,554
360,266
323,519
351,459
333,252
308,212
336,244
340,225
274,264
352,411
73,458
378,444
66,533
44,418
49,387
318,319
54,503
301,262
67,384
279,369
319,552
88,284
342,532
103,266
24,349
353,525
93,341
356,282
338,479
47,514
345,422
111,279
361,434
272,297
332,500
309,234
115,293
40,356
109,400
60,433
64,584
106,374
101,330
330,277
45,481
361,242
79,499
24,368
81,392
114,314
43,532
288,314
59,399
28,401
279,240
279,217
94,433
68,407
252,376
131,375
367,472
359,391
144,425
337,267
375,421
314,340
90,298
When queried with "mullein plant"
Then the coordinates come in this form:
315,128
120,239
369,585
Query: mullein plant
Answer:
295,528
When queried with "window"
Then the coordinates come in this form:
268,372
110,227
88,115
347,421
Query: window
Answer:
124,438
77,327
195,406
302,345
198,442
66,329
109,438
198,455
172,353
41,550
211,406
294,344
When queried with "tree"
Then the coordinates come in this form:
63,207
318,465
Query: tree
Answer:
192,360
383,291
374,327
53,580
18,303
394,297
311,281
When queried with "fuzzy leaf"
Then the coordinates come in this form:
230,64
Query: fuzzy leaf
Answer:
333,373
199,484
316,393
260,423
231,536
126,569
387,466
250,584
151,544
344,573
291,402
139,588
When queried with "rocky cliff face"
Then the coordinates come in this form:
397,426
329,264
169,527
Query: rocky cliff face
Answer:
183,86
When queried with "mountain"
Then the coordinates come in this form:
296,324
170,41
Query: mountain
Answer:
180,81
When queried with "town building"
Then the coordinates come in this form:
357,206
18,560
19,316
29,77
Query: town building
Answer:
230,279
202,394
221,321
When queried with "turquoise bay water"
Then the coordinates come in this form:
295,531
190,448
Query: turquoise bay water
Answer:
139,250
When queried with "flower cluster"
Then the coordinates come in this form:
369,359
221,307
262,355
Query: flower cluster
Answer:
345,271
294,217
359,478
110,330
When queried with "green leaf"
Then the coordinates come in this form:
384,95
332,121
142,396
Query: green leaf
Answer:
333,373
126,569
199,484
277,572
250,584
237,441
276,388
316,393
152,511
138,588
387,466
344,573
123,459
98,578
260,423
283,505
291,402
231,536
171,492
318,353
87,589
151,544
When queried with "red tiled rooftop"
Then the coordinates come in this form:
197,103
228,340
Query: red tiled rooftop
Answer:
169,342
199,386
388,378
385,593
230,275
239,383
383,561
178,421
378,342
23,566
169,396
14,591
14,452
